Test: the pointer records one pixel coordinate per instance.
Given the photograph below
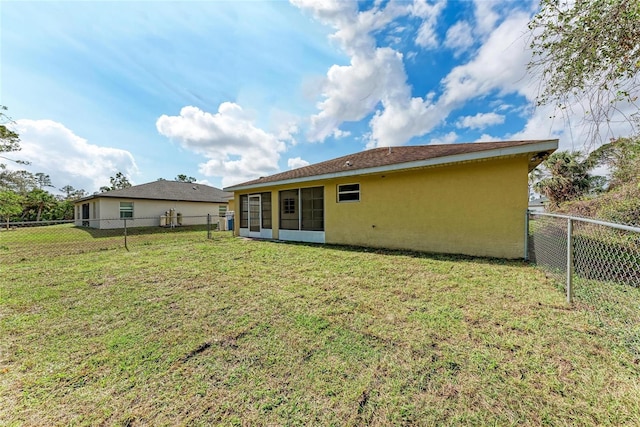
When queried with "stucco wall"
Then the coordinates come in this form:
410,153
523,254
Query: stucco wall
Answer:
474,208
148,212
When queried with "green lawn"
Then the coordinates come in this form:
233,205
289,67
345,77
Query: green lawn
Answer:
182,330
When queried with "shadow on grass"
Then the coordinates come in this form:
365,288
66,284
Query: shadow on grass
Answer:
403,252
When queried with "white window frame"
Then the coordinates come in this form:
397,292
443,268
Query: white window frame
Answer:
126,210
340,192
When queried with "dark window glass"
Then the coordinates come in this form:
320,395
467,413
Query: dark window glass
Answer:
312,208
349,193
266,210
244,211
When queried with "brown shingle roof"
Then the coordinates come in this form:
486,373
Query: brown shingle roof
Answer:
170,190
387,156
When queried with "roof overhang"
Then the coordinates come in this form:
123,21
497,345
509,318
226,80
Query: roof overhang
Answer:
538,151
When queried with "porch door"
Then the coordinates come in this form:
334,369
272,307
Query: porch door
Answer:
254,215
85,214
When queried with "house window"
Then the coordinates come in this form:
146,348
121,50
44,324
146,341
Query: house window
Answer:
349,193
289,215
302,209
266,210
244,211
289,206
222,211
126,209
312,200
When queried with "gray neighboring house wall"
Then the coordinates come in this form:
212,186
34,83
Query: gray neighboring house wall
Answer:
144,205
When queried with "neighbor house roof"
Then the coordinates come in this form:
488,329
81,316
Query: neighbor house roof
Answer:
168,190
406,157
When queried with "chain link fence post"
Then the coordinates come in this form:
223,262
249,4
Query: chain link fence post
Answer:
125,234
526,235
569,260
209,226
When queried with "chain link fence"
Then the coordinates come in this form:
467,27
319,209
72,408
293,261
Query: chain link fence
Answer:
30,240
578,250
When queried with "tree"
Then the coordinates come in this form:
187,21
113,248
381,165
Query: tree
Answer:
185,178
20,181
10,205
71,193
118,182
9,140
43,180
622,155
566,176
588,49
36,202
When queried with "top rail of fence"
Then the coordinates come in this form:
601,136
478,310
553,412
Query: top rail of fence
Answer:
592,221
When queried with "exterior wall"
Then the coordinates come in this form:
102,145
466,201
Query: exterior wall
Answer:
474,208
147,212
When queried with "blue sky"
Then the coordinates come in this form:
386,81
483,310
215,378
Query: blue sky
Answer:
232,90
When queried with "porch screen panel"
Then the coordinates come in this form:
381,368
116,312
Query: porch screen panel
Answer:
244,211
312,208
254,213
266,210
289,210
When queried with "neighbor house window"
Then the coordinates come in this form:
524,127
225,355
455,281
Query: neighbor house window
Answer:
222,210
244,211
349,193
126,209
266,210
302,209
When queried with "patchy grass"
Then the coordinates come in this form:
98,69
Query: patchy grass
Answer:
184,330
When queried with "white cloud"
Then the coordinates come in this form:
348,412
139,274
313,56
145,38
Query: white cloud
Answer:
485,15
236,149
485,137
500,65
429,12
480,121
69,159
375,77
297,162
449,138
401,120
353,91
341,133
459,37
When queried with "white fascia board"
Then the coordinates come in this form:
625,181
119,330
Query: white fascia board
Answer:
456,158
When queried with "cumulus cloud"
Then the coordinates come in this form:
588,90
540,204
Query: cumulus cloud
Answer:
500,65
236,149
449,138
429,12
353,91
297,162
401,120
375,80
480,121
459,37
69,159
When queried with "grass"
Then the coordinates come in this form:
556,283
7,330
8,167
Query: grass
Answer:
181,330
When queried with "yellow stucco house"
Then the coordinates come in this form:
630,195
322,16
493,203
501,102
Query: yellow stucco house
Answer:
457,198
145,205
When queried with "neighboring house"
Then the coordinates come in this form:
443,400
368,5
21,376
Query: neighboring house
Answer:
539,204
457,198
147,205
